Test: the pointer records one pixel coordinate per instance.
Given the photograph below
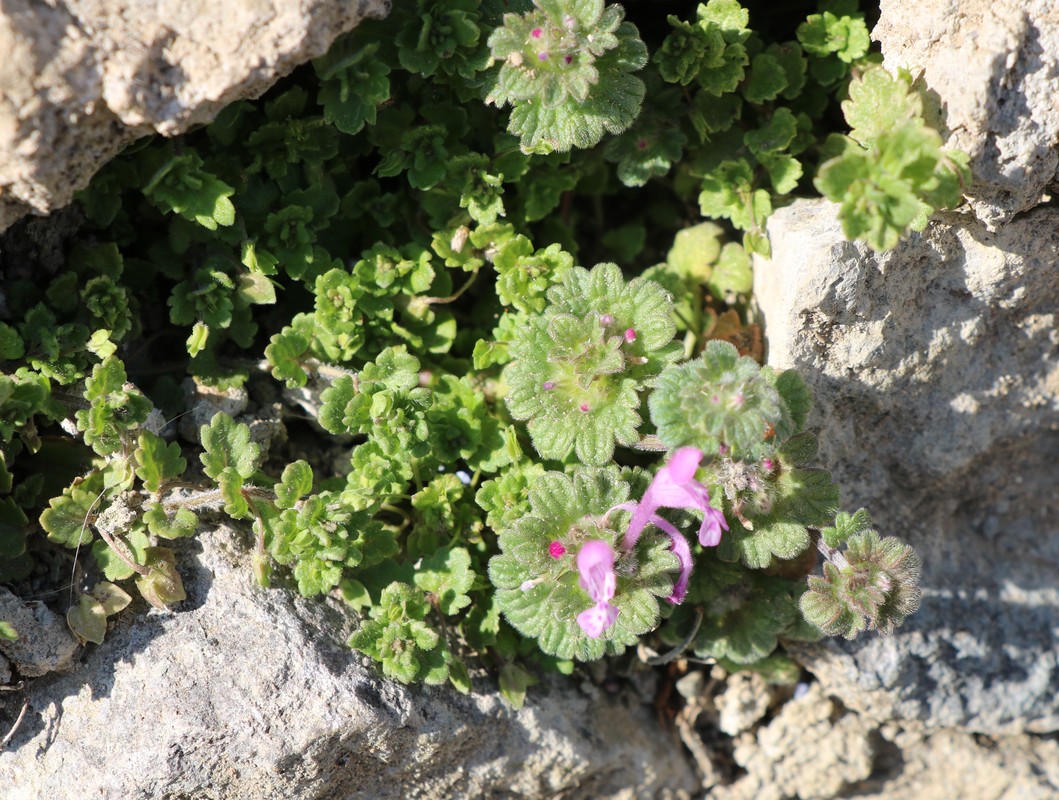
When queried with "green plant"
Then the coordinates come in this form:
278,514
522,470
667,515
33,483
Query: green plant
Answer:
513,456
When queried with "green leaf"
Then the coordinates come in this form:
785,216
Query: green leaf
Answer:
226,445
134,545
178,182
568,83
514,681
66,520
446,577
766,80
731,275
179,523
88,620
161,586
295,483
157,461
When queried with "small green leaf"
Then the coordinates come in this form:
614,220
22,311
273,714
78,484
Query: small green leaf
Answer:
514,681
161,586
226,445
446,577
88,620
157,461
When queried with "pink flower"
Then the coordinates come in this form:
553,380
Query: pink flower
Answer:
556,549
595,565
675,487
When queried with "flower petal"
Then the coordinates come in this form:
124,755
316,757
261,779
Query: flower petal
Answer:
712,525
682,550
683,464
598,618
595,564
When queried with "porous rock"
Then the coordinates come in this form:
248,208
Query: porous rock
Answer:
83,78
44,643
815,749
992,66
249,693
935,374
811,750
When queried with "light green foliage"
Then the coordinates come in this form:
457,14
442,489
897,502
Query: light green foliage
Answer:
396,229
721,400
446,577
354,82
745,614
873,584
116,408
88,619
540,594
891,173
578,370
177,182
566,70
385,400
157,461
398,637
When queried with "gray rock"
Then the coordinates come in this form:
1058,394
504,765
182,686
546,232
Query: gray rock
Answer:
994,68
44,643
248,693
83,78
935,370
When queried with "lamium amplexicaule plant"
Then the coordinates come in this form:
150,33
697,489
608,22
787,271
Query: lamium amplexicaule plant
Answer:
479,275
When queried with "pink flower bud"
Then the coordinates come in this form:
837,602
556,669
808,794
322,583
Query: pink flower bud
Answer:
536,33
542,56
630,335
583,407
606,319
556,549
548,385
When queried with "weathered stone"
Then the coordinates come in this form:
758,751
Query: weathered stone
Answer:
816,749
744,701
811,750
204,401
44,643
993,66
249,693
935,370
912,765
83,78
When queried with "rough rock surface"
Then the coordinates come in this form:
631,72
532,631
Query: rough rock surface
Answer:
82,78
248,693
44,642
935,370
816,749
811,750
994,66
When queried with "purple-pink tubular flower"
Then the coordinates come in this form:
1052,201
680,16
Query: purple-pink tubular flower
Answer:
675,487
595,565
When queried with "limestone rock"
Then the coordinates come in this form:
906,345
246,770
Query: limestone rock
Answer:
44,643
994,67
911,765
249,693
83,78
804,752
744,701
935,371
